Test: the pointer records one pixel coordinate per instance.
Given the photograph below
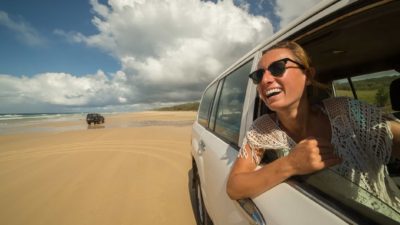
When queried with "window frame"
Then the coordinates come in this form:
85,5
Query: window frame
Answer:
215,105
234,77
212,98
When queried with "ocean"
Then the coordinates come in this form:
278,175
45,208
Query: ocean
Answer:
36,116
31,122
59,122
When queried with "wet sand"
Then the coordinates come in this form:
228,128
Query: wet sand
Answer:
134,169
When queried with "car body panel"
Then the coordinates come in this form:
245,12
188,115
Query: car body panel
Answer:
289,206
218,164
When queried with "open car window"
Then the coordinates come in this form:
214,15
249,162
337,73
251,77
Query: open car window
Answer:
372,88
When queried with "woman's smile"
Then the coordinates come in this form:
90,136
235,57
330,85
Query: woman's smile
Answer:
272,92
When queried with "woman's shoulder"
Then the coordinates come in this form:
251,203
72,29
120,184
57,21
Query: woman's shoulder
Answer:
351,109
263,121
264,133
345,103
342,100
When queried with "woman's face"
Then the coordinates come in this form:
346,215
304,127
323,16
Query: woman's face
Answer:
284,92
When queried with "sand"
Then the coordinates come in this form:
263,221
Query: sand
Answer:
134,169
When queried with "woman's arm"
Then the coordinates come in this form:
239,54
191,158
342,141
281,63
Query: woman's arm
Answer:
244,181
310,155
395,128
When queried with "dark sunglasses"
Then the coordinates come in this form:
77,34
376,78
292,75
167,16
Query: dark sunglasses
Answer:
277,69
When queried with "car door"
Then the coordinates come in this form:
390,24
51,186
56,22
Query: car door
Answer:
220,143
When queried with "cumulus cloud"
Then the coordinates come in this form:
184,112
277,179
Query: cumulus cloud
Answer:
288,10
63,90
169,50
24,32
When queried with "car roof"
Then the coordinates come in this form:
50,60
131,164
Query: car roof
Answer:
342,37
361,39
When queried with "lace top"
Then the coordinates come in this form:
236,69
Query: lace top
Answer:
360,136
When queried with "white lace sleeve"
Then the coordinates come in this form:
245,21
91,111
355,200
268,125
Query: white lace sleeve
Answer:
374,131
264,135
363,139
366,123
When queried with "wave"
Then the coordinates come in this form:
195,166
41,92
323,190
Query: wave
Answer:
34,116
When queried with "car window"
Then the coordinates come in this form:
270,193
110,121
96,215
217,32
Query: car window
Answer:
228,113
372,88
382,213
204,108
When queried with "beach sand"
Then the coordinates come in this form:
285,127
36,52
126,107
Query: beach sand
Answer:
134,169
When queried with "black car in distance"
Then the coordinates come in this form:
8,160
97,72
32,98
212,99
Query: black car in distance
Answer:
94,118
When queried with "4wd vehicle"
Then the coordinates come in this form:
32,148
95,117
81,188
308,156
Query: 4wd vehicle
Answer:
355,48
94,118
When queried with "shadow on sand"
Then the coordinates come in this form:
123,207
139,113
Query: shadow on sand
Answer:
96,126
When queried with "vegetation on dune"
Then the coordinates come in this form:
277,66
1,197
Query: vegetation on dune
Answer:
191,106
374,91
369,84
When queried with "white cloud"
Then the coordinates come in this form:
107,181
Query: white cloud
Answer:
24,32
63,89
288,10
170,50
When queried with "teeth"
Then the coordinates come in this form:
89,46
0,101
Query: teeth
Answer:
273,91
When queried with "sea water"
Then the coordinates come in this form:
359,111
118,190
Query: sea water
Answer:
45,122
29,122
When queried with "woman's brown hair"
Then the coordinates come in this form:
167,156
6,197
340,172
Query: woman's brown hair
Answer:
299,53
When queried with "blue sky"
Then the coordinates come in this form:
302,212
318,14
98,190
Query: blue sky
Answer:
50,53
98,55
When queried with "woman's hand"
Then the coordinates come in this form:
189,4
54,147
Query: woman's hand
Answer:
311,155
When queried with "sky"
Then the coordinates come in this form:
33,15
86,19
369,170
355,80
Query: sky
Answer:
125,55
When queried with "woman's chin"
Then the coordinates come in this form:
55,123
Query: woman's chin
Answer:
274,102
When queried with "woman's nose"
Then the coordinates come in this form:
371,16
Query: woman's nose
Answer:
267,77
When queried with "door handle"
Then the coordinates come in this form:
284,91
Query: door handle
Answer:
201,147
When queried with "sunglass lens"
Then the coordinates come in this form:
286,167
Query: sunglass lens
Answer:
277,68
257,75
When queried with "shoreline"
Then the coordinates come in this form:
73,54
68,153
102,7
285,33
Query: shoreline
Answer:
69,122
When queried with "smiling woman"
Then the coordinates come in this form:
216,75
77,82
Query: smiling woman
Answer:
306,152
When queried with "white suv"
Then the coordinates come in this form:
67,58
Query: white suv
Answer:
355,48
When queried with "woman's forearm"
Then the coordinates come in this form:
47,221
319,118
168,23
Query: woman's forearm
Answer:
250,184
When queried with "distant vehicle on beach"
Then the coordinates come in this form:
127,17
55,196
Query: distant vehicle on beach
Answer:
94,118
355,50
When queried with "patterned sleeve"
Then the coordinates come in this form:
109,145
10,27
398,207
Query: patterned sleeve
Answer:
252,147
372,128
263,135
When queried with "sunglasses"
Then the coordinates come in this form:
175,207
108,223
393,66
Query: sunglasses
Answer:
277,69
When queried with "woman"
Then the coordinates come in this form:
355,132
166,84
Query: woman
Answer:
310,138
